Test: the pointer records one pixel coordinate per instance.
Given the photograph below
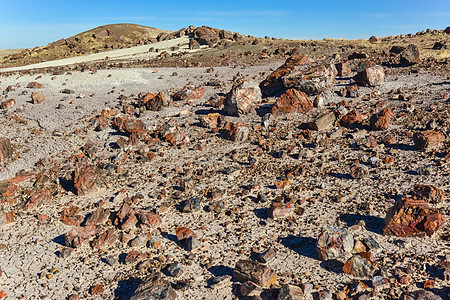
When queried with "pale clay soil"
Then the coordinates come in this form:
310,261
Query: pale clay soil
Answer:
32,248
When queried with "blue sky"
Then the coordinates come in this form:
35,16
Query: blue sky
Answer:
25,24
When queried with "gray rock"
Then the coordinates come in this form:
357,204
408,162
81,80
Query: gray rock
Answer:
334,243
290,292
155,288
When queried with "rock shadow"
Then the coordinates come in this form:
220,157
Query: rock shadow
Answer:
59,240
303,245
333,265
126,288
373,224
341,175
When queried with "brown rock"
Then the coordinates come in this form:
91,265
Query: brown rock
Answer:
281,210
243,97
184,233
37,98
99,216
135,256
97,289
411,217
75,237
155,287
370,76
105,240
6,150
429,193
35,85
193,44
126,218
343,69
236,132
292,101
176,138
210,121
155,102
381,120
38,198
420,295
428,140
8,104
248,270
273,83
324,122
290,292
69,216
312,80
149,219
359,171
360,265
334,243
351,119
410,55
7,189
84,178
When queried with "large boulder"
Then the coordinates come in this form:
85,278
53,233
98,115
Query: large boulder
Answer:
370,76
292,101
312,80
410,55
334,243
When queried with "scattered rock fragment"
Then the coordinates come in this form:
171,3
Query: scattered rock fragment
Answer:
75,237
370,76
281,210
429,193
243,97
6,150
360,265
155,287
84,178
292,101
290,292
420,295
428,140
35,85
323,122
381,120
126,217
38,199
410,56
334,243
247,270
37,98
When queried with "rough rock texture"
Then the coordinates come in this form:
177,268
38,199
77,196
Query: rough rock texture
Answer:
370,76
428,140
37,98
360,265
247,270
381,120
292,101
429,193
84,178
334,243
243,97
290,292
420,295
411,217
155,288
6,150
410,56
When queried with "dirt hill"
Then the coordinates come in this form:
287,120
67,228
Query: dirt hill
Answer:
100,39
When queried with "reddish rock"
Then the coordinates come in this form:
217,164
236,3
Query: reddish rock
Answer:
248,270
184,233
292,101
38,198
193,44
155,102
75,237
381,120
360,265
126,217
411,217
130,126
69,216
334,243
84,178
155,287
273,83
37,98
8,104
7,189
429,193
7,218
281,210
35,85
210,121
370,76
236,132
428,140
135,256
351,119
105,240
243,98
6,150
99,216
176,138
359,171
149,219
97,289
343,69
